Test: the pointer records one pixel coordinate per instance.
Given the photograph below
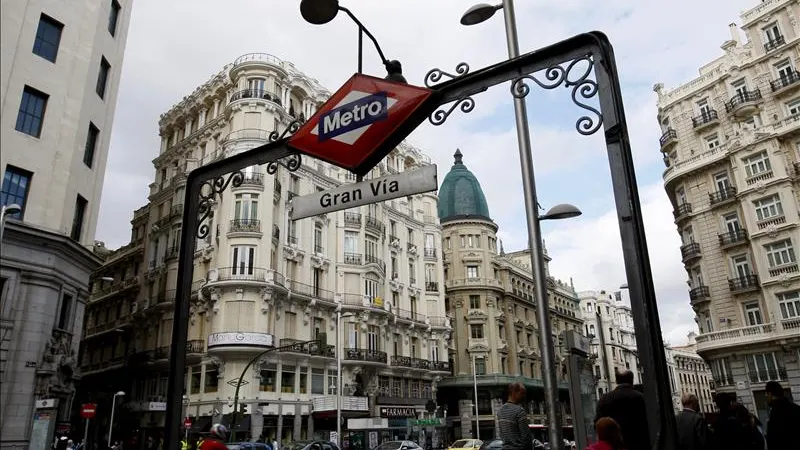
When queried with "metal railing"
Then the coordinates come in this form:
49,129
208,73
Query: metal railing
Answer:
352,219
257,94
431,286
746,282
668,136
733,237
699,292
742,98
682,210
690,251
241,273
245,226
360,354
374,224
728,193
307,348
352,258
785,80
437,321
430,252
258,57
706,116
772,44
440,366
372,259
318,249
310,291
253,179
411,247
411,362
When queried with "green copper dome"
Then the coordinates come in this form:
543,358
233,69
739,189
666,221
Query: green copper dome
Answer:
460,195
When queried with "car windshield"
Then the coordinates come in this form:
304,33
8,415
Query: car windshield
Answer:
391,445
460,444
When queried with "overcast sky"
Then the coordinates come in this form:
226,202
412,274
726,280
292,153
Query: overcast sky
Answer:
175,46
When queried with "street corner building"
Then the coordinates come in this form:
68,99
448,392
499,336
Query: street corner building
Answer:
731,146
264,281
60,70
490,302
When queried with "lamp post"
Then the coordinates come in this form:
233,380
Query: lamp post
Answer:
475,15
7,210
339,349
111,422
475,392
320,12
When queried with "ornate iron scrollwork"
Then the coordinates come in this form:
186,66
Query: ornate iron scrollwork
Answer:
293,162
208,191
289,130
438,117
434,75
581,85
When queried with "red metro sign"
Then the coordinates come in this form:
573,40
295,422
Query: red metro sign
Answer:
351,126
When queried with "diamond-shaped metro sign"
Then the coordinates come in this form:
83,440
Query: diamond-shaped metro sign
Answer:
351,126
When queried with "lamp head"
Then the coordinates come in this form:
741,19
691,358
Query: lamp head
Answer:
394,71
12,209
119,394
561,211
109,279
319,12
479,13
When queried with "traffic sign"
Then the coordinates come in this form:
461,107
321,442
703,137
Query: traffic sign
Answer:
365,192
349,128
88,410
187,423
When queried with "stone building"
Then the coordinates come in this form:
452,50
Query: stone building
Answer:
262,281
59,74
692,375
490,301
731,144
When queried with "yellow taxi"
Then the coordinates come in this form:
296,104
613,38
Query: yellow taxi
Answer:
466,444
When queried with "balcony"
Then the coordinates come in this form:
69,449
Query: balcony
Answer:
255,94
699,293
786,83
437,321
241,273
733,238
310,291
372,259
177,211
195,347
440,366
374,224
749,335
784,269
772,44
245,226
771,222
722,196
682,211
403,314
744,103
353,258
253,136
307,348
747,283
690,252
411,362
668,139
360,354
330,402
252,179
172,252
429,219
431,286
118,286
707,118
430,253
352,219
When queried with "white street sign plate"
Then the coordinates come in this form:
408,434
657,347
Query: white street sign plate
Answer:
371,191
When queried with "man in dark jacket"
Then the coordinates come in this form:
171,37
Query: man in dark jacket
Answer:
693,432
784,419
627,407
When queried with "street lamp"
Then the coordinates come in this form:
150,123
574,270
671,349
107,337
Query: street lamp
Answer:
320,12
7,210
339,349
111,422
475,15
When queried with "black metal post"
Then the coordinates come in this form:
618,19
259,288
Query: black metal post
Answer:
360,50
603,352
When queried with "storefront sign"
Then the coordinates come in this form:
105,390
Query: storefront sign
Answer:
430,422
241,339
397,412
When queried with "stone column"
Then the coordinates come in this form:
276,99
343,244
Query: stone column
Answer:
216,108
298,422
279,431
465,412
496,404
256,421
310,426
188,128
201,117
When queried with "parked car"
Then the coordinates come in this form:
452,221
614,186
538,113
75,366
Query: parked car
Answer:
310,445
247,446
494,444
466,444
398,445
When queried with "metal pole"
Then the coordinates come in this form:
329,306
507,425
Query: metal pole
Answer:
86,434
360,50
535,242
475,388
111,423
339,377
603,351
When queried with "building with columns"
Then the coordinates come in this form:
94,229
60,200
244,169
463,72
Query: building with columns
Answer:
490,302
731,146
690,374
60,65
264,281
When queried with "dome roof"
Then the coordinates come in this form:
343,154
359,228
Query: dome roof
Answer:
460,195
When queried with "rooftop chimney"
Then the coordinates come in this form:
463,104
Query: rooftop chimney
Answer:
734,33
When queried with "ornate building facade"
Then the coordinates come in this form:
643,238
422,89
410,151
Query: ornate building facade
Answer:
490,301
691,375
59,77
263,281
731,144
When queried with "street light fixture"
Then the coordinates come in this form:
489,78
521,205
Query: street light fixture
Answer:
475,15
339,387
7,210
320,12
111,422
561,211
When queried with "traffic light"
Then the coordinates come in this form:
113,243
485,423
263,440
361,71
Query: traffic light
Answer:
243,409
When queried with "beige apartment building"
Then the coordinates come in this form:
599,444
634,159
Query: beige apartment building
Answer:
731,144
490,302
60,65
690,374
264,281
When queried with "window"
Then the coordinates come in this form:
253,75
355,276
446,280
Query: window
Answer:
256,86
712,141
430,241
731,222
351,242
289,324
212,379
793,107
780,253
91,145
113,17
789,304
317,381
768,207
77,219
480,366
333,381
785,71
243,259
752,314
317,280
741,266
414,347
287,379
772,34
268,378
31,112
194,384
102,77
16,183
373,338
65,312
757,164
396,344
704,108
763,367
739,88
722,182
371,287
434,346
370,249
245,207
476,331
48,38
303,380
318,237
475,302
472,271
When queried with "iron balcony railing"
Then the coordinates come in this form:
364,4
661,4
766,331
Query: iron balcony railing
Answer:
245,226
352,219
438,321
374,224
667,136
360,354
195,346
307,348
253,179
742,98
255,93
690,251
746,282
372,259
431,286
440,366
430,252
699,292
411,362
772,44
722,195
248,273
352,258
310,291
706,116
682,210
785,80
733,237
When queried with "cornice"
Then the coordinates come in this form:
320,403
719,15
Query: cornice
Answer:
39,240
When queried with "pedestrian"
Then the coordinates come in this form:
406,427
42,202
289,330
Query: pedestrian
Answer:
609,435
513,421
729,432
693,432
216,438
784,419
753,439
627,407
274,444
